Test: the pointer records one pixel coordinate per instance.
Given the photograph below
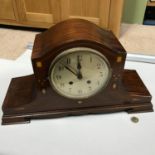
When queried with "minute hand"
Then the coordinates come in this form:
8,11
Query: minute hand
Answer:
78,63
70,69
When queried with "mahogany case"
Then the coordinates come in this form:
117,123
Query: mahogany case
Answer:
26,100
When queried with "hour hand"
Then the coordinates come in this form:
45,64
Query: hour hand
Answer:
78,63
79,74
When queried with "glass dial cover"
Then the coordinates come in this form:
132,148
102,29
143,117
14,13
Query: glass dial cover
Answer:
79,73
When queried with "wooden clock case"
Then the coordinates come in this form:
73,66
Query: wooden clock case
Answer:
32,97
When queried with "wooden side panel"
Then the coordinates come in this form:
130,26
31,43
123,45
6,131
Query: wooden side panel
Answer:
96,11
81,8
43,11
38,6
56,10
7,10
116,8
38,11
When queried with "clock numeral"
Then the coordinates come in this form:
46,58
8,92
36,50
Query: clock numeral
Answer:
98,66
80,91
62,85
68,61
90,88
80,57
91,59
101,74
58,77
60,68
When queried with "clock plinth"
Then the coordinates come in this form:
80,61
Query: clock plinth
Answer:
33,104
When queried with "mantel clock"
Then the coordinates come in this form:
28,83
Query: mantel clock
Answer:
78,69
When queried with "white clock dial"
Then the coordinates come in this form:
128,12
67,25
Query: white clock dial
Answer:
79,73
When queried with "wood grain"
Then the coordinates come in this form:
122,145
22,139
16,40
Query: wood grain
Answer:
45,13
39,17
7,5
74,32
31,104
32,97
95,11
115,17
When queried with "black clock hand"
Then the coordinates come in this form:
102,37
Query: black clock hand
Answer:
70,69
79,74
78,63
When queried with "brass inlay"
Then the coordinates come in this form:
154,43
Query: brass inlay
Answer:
119,59
44,91
80,102
114,86
39,64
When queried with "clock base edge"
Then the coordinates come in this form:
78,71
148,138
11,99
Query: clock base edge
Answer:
16,113
26,118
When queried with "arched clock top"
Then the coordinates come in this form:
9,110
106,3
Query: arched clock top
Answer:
72,30
70,34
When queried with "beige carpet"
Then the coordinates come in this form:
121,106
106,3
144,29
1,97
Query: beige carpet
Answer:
137,39
14,42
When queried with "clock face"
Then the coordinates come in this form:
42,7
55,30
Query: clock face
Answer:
79,73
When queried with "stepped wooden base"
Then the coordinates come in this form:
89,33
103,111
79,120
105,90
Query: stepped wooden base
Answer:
24,101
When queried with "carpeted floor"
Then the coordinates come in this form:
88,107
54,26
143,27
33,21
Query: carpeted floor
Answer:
14,42
137,39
